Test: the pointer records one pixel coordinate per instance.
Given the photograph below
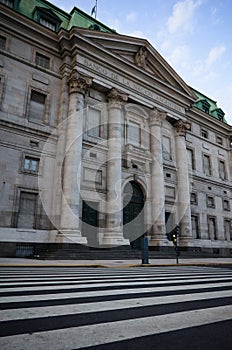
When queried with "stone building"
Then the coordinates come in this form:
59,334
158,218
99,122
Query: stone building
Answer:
101,141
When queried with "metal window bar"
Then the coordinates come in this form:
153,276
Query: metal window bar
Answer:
24,251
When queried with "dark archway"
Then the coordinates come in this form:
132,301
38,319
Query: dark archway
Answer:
90,222
133,223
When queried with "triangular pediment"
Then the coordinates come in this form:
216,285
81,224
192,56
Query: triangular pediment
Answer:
143,56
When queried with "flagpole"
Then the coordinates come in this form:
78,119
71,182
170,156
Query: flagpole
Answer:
96,10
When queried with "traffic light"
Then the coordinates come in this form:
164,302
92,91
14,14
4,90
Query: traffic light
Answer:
176,232
172,236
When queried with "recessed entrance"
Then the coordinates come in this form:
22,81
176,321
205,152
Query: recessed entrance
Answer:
90,223
133,218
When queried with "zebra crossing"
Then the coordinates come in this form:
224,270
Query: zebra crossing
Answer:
96,308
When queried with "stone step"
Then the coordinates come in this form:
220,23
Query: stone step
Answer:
79,252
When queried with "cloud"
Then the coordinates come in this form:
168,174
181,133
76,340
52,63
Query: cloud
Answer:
179,57
131,17
182,16
137,34
214,54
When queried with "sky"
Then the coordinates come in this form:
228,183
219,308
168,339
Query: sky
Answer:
193,36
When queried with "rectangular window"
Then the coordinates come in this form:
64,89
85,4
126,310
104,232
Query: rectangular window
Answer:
98,179
212,228
222,172
166,148
195,226
219,140
134,135
9,3
210,202
193,198
191,163
226,204
204,133
37,106
2,42
94,122
31,164
228,229
27,210
205,109
207,164
47,23
42,60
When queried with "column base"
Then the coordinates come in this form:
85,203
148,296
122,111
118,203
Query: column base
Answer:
158,241
71,236
114,238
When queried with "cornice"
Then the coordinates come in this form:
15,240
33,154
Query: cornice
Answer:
26,129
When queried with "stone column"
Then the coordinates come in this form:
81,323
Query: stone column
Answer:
70,227
113,235
61,130
183,187
157,178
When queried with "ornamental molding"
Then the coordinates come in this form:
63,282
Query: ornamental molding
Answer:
79,83
181,127
157,117
140,57
116,98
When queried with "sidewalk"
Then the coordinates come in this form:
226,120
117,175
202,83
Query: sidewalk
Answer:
22,262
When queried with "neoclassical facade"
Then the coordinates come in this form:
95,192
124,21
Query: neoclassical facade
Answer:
102,142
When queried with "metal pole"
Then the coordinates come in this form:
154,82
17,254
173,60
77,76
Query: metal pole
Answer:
145,250
96,10
177,255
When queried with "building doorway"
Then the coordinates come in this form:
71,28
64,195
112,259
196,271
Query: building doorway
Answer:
90,223
133,218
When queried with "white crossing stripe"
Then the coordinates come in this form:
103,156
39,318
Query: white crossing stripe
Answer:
59,310
64,280
135,312
112,292
79,337
96,285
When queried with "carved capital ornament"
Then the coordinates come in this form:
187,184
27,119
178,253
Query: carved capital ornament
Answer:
116,98
79,83
181,127
156,117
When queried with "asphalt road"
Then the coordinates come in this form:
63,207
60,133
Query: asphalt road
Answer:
179,307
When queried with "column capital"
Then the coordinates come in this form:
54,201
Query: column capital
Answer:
79,83
156,117
115,98
181,127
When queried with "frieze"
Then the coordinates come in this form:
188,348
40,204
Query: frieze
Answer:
128,83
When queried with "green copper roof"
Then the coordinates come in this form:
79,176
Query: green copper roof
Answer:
76,18
209,106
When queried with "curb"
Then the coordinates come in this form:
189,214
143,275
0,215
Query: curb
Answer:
117,266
